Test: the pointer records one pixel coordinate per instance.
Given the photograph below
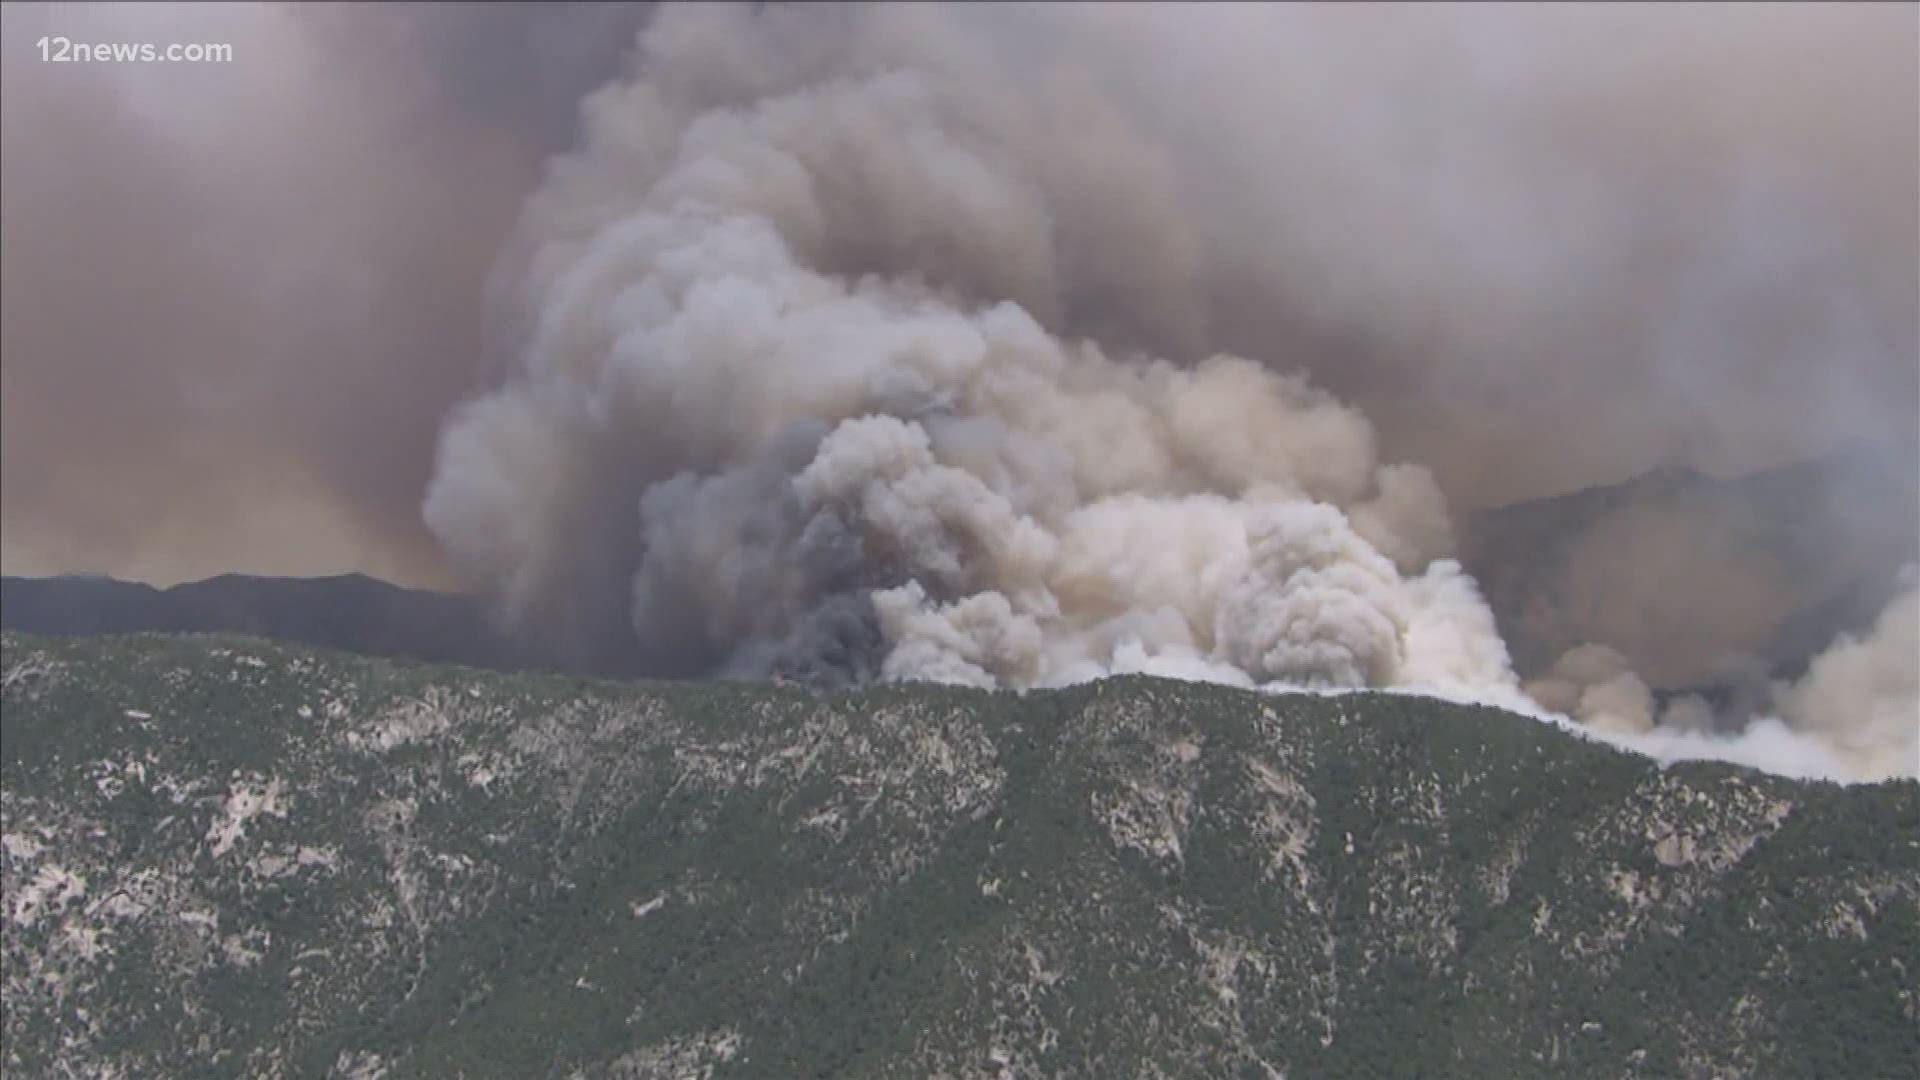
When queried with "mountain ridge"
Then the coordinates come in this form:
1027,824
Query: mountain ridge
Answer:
249,858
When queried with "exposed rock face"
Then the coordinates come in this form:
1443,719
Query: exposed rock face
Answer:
224,857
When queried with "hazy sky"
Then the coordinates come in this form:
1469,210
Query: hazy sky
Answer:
239,298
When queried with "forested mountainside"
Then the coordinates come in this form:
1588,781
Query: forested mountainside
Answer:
227,857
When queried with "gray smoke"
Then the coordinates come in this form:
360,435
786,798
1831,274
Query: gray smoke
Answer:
972,345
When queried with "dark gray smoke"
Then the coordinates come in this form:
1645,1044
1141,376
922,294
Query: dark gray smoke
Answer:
800,578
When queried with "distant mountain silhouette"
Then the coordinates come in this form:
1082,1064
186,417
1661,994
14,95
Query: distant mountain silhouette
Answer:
1667,565
351,612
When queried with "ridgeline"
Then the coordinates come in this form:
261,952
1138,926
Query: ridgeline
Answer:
225,857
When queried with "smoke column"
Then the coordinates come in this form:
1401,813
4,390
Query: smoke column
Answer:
995,346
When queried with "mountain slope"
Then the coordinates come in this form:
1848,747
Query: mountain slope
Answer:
1684,573
225,857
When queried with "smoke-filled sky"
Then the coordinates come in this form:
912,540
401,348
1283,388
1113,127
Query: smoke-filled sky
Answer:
998,344
1540,249
239,297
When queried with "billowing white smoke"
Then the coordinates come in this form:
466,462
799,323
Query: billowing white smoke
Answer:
832,364
1854,715
1863,696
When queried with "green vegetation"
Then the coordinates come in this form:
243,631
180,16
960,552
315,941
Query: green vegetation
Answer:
230,858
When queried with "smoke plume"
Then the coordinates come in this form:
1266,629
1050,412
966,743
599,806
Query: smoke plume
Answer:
1014,347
